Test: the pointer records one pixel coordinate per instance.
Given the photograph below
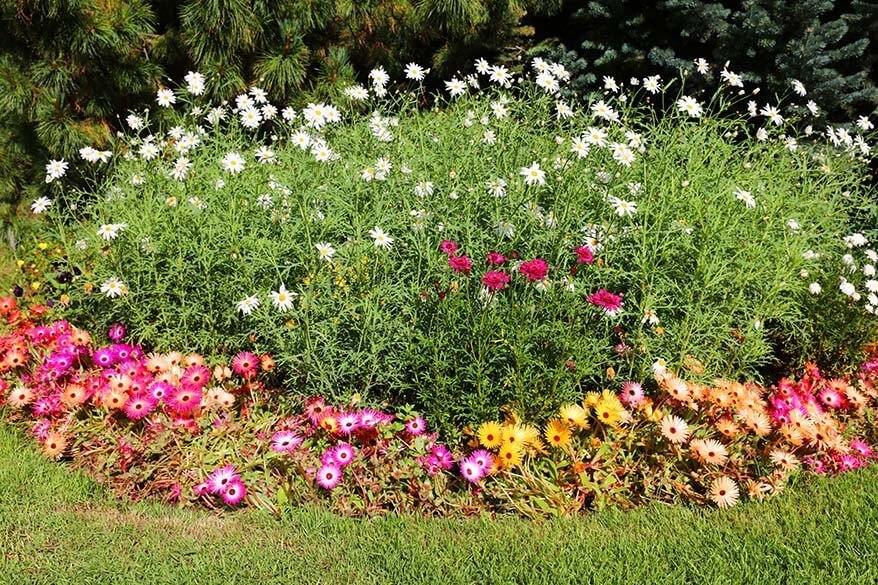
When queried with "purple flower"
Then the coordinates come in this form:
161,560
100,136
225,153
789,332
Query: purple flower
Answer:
415,426
116,332
285,441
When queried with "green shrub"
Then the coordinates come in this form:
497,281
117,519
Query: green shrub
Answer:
727,282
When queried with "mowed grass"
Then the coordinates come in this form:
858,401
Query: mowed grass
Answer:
58,526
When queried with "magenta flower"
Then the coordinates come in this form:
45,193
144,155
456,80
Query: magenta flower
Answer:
200,489
609,302
631,394
245,364
584,255
496,259
535,269
495,280
160,390
195,377
285,441
328,476
460,263
340,455
483,458
139,405
448,247
861,448
221,478
184,400
348,422
471,470
234,493
829,398
116,332
415,426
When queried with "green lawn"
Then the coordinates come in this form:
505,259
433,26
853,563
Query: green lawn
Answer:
58,527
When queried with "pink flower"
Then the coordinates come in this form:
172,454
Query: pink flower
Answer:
340,455
200,489
460,263
535,269
140,405
415,426
584,255
632,394
496,258
861,448
483,458
234,492
328,476
184,400
495,280
829,398
195,377
348,423
245,364
221,478
609,302
285,441
471,470
448,247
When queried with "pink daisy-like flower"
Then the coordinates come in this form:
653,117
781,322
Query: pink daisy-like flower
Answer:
536,269
116,332
285,441
448,247
245,364
234,493
631,394
584,255
484,458
200,489
460,264
195,377
415,426
861,448
441,457
160,390
847,463
609,302
340,455
104,357
369,418
139,405
348,422
471,470
328,476
829,398
495,280
220,478
495,258
184,400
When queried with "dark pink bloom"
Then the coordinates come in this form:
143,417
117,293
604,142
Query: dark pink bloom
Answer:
140,405
496,258
221,478
245,364
606,300
184,400
328,476
584,255
285,441
460,263
415,426
234,492
535,269
830,398
116,332
448,247
631,394
495,280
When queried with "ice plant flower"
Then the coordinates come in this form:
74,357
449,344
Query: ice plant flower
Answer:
674,429
328,476
415,426
234,493
220,478
724,492
285,441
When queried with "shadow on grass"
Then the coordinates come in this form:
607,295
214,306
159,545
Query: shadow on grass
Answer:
57,526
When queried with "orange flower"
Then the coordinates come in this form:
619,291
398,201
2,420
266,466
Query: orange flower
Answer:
54,445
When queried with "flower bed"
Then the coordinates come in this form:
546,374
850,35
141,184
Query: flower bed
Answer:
220,434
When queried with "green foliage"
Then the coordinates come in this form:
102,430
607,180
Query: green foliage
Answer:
822,43
729,283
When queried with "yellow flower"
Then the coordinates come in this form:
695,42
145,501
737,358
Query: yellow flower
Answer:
35,285
557,433
609,409
531,435
591,399
490,435
20,263
573,414
509,456
516,434
42,245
